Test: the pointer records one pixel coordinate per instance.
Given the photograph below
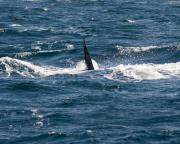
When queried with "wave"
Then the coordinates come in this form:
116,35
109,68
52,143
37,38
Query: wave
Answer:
21,28
145,71
37,8
138,49
68,47
15,66
148,71
26,54
130,21
34,28
2,30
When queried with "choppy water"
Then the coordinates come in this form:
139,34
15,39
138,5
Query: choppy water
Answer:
48,97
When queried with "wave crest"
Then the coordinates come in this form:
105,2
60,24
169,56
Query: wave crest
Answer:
11,65
138,49
146,71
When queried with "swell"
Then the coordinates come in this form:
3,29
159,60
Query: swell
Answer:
149,54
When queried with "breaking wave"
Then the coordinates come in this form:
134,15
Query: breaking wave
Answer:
38,50
138,49
14,66
149,71
145,71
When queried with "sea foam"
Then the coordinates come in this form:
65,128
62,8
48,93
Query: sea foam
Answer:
138,49
145,71
27,69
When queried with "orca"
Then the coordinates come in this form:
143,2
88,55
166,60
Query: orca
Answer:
87,57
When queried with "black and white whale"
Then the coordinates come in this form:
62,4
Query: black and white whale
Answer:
87,57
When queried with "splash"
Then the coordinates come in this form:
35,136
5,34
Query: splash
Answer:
138,71
145,71
27,69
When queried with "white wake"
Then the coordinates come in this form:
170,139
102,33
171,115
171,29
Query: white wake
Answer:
138,71
27,69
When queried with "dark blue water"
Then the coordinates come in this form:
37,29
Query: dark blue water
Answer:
48,97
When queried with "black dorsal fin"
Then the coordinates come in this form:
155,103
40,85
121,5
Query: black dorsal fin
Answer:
87,57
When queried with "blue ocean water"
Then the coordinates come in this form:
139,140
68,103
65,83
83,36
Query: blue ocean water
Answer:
48,97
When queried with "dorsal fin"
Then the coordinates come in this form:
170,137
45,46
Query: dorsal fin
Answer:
87,57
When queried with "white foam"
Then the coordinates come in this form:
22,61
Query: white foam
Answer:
34,110
136,49
95,64
2,30
25,54
16,25
82,66
45,9
28,69
89,131
36,47
131,21
70,46
124,49
38,124
22,28
146,71
138,71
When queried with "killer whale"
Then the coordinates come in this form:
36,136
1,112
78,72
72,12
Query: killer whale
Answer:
87,57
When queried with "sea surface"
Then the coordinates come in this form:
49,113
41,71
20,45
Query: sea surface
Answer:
48,97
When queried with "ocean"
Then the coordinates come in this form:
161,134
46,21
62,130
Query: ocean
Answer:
48,97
